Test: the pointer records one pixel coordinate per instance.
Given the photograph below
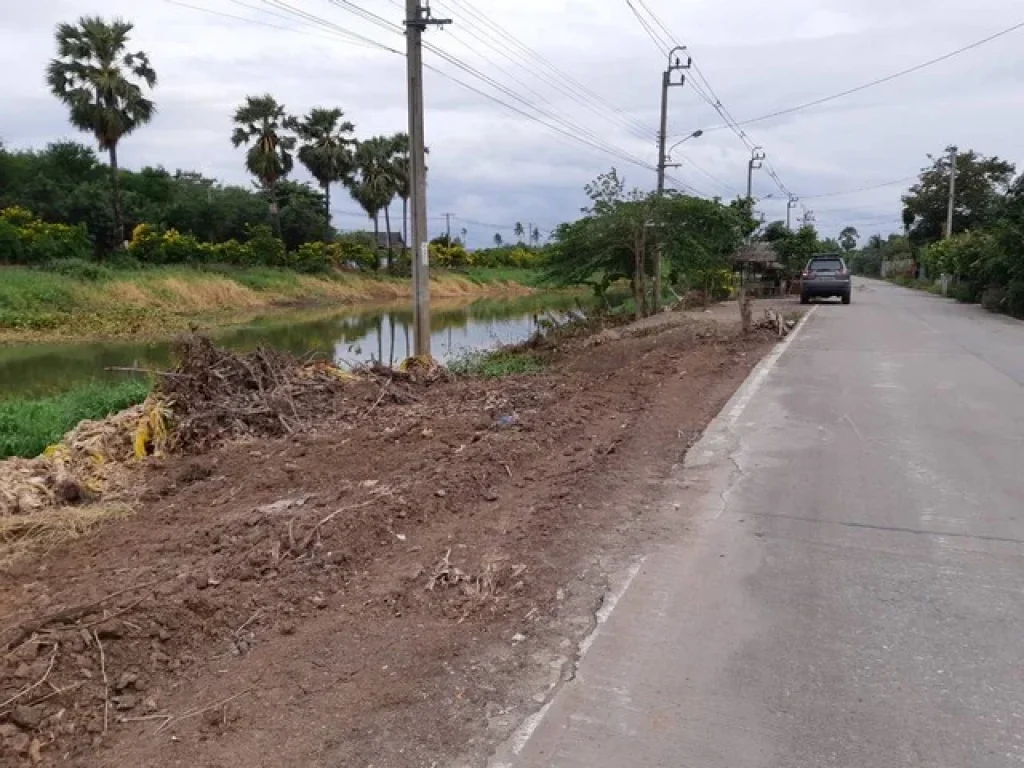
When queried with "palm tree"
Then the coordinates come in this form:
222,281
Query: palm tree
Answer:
400,162
498,239
400,169
519,231
378,182
326,151
261,123
535,236
92,75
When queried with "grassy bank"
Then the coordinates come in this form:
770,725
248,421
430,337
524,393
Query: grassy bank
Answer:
39,305
27,427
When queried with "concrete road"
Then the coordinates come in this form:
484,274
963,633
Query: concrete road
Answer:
852,591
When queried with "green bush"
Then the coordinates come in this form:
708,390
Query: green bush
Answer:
966,292
994,298
314,257
265,249
25,239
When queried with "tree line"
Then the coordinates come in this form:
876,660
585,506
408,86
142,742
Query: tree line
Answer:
107,89
984,256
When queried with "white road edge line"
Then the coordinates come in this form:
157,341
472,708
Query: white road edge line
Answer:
749,388
522,735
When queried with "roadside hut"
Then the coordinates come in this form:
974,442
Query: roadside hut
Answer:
761,269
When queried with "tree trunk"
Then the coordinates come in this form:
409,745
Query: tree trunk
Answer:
327,210
387,228
275,213
376,238
116,198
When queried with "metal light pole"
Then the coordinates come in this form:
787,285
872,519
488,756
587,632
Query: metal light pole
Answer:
793,200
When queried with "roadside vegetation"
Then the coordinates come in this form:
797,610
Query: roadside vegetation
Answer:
983,260
28,426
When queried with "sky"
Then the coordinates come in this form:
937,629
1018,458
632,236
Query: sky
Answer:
584,67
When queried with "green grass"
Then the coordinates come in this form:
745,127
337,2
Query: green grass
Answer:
485,275
28,426
496,364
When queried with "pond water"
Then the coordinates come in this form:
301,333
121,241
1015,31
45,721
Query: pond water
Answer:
349,336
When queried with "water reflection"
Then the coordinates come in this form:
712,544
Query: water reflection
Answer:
348,337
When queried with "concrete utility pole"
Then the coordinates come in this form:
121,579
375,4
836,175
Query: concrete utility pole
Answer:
417,19
952,192
675,64
793,200
448,226
756,160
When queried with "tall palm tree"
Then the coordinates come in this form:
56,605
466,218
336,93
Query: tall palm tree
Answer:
93,75
377,183
261,123
519,231
327,150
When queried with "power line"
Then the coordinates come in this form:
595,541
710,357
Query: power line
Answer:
500,34
878,81
587,136
497,39
863,189
571,130
702,86
222,14
658,42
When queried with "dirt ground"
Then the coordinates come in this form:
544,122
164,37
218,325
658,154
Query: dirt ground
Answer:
398,584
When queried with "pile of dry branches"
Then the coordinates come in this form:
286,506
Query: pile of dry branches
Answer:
214,394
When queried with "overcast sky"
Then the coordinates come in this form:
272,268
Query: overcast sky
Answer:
492,167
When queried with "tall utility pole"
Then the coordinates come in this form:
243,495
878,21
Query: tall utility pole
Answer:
793,200
448,226
675,64
756,160
952,191
417,19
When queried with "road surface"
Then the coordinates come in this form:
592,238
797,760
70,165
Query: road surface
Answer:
852,590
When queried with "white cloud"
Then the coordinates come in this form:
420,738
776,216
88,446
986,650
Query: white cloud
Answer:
495,166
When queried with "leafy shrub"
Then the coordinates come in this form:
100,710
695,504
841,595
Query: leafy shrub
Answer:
265,249
314,257
25,239
966,292
361,255
450,256
994,298
232,252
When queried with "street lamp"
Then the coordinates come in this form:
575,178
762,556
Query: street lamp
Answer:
695,135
